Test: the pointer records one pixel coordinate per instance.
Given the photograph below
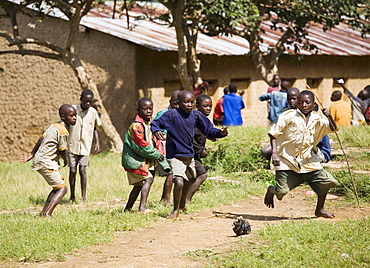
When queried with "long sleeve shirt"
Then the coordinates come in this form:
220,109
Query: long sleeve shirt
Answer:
278,102
180,128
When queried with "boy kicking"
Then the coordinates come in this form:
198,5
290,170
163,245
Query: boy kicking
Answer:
180,124
292,140
46,154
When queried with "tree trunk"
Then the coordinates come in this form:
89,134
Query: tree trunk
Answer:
86,82
194,62
177,9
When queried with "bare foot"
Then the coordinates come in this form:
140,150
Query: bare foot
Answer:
149,211
166,202
173,215
269,197
324,214
70,202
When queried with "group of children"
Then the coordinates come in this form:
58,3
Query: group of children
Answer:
174,143
75,131
184,131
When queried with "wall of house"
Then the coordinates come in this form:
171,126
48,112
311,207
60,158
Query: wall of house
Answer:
33,88
157,78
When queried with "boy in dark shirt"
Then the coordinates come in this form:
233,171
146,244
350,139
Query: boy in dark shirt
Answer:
204,105
180,124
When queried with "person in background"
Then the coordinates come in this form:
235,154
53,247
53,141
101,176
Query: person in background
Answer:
218,114
340,110
233,104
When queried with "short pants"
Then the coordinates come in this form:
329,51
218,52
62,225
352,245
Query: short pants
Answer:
137,179
183,167
74,160
286,180
52,177
199,168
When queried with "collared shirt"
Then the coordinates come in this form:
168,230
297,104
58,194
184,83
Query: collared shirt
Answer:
295,140
82,133
278,102
232,105
55,140
341,113
180,130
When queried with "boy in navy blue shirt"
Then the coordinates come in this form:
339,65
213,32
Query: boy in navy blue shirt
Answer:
180,124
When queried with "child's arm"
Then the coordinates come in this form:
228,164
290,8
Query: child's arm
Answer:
333,125
274,156
63,154
348,93
29,156
97,144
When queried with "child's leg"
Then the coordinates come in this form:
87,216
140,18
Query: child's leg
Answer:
320,212
132,197
53,200
177,194
184,194
72,183
286,180
167,187
269,197
145,192
321,181
83,175
195,186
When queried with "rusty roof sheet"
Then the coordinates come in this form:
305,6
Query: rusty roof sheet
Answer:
341,40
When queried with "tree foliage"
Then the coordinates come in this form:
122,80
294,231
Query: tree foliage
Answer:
291,18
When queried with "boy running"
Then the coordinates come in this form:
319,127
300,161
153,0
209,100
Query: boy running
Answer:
180,124
292,140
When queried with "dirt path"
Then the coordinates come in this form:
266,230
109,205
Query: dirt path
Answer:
165,244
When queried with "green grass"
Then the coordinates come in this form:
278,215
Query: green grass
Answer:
353,137
26,237
302,244
38,239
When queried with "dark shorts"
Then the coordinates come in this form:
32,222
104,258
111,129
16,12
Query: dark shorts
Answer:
286,180
199,168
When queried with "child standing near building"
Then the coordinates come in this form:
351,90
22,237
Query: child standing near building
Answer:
139,155
46,153
180,124
80,140
292,140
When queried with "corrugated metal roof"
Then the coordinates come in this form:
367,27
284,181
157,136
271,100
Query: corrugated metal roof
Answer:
341,40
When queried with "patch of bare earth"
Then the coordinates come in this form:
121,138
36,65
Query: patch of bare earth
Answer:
167,241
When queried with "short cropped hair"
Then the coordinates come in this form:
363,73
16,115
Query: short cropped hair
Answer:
202,97
86,92
307,92
233,87
142,100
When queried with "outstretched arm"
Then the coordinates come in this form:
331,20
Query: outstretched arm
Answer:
28,157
